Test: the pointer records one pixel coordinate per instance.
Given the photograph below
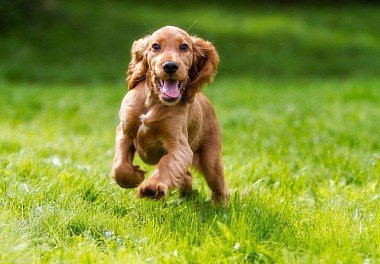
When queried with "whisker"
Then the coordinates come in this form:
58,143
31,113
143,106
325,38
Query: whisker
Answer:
196,20
146,25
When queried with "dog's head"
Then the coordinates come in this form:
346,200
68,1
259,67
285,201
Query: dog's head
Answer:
174,64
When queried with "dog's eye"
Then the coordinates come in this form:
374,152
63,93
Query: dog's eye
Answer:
184,47
155,47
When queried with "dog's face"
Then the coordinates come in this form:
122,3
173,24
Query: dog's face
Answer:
170,57
174,64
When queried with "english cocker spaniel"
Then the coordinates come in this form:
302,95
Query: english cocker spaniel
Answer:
166,119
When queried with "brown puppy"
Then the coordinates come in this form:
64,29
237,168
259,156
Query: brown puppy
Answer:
165,117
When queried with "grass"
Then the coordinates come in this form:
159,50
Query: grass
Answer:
300,128
302,165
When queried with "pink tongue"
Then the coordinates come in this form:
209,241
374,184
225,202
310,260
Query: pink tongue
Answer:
170,88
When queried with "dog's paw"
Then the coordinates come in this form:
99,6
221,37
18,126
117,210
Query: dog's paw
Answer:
220,198
139,172
152,189
127,176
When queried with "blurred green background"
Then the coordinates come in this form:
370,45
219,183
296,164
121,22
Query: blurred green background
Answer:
88,42
298,100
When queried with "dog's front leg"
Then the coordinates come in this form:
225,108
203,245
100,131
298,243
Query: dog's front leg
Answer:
125,174
170,172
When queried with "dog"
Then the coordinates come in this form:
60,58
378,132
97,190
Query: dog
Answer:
166,119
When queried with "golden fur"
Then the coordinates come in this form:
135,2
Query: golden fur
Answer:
166,119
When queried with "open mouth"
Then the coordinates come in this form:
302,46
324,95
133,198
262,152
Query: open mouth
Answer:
169,89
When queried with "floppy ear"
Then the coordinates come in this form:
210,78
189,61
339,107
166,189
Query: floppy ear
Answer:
138,66
205,63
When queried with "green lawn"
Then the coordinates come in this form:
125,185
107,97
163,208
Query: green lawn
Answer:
298,99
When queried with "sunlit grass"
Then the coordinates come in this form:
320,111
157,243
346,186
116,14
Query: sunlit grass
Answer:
302,165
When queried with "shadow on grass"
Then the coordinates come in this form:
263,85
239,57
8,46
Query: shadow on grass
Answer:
251,223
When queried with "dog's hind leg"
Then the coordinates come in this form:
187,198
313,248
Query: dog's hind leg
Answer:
208,161
187,186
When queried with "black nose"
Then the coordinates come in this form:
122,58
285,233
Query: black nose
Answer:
170,67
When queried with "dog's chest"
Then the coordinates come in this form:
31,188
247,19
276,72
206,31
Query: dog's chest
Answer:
144,122
147,143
